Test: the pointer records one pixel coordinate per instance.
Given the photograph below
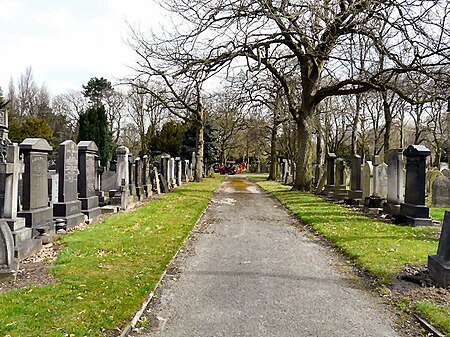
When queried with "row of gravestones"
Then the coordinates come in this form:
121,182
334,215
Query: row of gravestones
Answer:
401,192
28,217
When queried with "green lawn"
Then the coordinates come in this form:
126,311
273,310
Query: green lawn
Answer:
437,213
106,271
380,249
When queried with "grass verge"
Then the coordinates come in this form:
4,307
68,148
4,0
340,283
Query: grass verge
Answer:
380,249
106,271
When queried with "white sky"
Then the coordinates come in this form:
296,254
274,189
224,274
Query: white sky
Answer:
66,42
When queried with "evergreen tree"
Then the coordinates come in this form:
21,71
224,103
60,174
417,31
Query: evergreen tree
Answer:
211,150
94,126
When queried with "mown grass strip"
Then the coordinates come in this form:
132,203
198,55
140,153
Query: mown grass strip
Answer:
106,271
380,249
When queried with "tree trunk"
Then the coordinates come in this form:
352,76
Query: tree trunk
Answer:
199,148
355,125
388,120
303,177
273,153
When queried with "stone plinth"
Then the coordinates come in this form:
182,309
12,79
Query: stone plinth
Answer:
413,210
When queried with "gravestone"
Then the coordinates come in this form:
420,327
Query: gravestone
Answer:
155,180
146,177
446,172
413,210
178,171
119,195
87,151
16,240
375,180
99,190
382,180
68,206
138,178
329,187
38,215
131,174
355,194
439,265
367,180
441,192
185,171
431,176
164,172
53,186
172,178
340,191
395,181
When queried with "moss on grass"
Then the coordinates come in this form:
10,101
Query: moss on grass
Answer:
106,271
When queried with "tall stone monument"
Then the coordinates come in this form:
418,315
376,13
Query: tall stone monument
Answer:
330,186
38,215
120,194
340,190
87,151
413,210
395,182
68,206
138,178
145,175
355,193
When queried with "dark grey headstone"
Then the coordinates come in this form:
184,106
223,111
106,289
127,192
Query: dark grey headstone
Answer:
439,265
414,209
87,151
441,192
329,187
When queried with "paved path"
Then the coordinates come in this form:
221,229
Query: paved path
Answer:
254,274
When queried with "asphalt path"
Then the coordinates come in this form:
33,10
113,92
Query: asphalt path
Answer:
252,272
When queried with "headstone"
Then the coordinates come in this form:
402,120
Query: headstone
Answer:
413,210
322,181
446,172
164,172
439,265
172,180
53,187
382,180
146,177
355,194
119,194
340,191
68,206
431,176
178,171
185,171
395,181
138,178
16,240
367,180
376,162
87,151
131,174
329,187
156,182
99,191
38,215
441,192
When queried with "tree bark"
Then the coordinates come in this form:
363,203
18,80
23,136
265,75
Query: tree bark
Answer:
388,121
199,147
273,153
303,177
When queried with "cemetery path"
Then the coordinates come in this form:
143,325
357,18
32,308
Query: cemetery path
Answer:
249,272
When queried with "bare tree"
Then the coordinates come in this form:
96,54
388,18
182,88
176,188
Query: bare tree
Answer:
309,38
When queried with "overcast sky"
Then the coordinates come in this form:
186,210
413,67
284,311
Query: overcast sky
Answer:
66,42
